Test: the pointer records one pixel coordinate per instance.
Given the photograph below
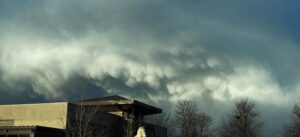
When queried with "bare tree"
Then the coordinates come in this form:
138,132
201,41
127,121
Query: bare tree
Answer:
204,123
164,120
186,118
242,122
86,121
191,122
130,126
293,130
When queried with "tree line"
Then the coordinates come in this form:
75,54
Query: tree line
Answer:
242,121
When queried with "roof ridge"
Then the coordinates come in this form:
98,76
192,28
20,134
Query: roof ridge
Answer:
106,98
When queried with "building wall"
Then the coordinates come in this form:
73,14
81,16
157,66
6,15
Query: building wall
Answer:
112,126
155,130
45,114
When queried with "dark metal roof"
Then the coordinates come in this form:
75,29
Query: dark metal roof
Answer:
114,97
117,102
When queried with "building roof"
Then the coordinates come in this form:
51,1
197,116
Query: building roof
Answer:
114,97
118,103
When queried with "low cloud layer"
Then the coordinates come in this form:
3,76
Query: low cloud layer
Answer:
156,51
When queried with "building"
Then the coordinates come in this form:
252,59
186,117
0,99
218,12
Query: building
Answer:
112,116
132,111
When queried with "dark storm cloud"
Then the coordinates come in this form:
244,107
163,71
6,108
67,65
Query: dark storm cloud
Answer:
158,51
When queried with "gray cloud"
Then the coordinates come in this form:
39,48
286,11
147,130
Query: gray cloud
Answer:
156,51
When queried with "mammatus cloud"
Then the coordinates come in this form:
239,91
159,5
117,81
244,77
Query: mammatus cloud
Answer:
158,51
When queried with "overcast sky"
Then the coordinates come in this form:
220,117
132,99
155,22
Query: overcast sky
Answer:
158,51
